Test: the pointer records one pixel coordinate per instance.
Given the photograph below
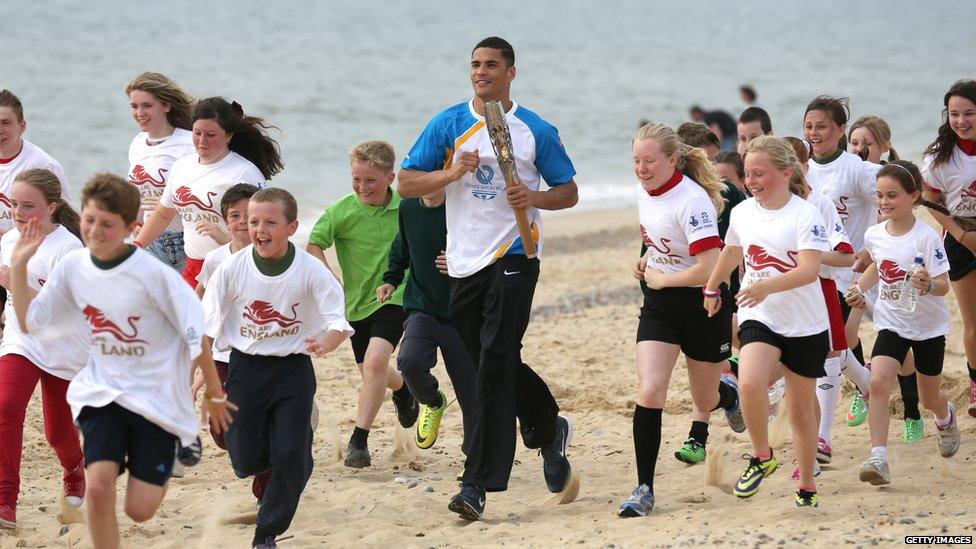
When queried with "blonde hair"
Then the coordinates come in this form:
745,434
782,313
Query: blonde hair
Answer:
879,129
167,91
376,153
692,161
781,156
50,188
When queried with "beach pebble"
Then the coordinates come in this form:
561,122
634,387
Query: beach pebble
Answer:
412,485
62,531
906,520
436,477
401,480
428,488
921,514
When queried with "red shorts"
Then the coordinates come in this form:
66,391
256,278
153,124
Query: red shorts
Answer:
191,270
838,339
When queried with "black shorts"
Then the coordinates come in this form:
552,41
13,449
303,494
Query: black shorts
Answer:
845,309
804,355
676,315
961,260
113,433
929,353
385,322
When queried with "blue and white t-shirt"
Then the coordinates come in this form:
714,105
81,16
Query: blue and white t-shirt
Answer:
480,224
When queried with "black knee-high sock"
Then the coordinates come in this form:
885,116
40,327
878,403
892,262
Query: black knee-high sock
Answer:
726,397
699,432
972,372
647,442
909,395
858,352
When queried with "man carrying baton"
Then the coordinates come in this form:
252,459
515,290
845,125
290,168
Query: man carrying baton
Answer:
492,279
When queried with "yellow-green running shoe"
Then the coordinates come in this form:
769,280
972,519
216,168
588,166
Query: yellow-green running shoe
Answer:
748,483
806,498
914,429
858,412
430,423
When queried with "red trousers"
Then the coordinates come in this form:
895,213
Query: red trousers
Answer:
190,271
18,378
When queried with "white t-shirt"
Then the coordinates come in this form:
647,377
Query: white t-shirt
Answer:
210,263
272,315
851,183
31,156
150,162
677,222
195,190
837,239
893,256
70,354
480,224
955,180
146,326
770,242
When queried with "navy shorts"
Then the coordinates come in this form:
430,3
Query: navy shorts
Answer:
385,322
803,355
677,315
113,433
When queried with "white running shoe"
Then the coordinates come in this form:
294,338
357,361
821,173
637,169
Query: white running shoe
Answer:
875,470
949,436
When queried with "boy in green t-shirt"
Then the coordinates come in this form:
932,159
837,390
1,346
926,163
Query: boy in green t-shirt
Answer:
362,225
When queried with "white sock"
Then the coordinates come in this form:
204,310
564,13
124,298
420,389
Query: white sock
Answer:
942,423
828,393
855,371
881,451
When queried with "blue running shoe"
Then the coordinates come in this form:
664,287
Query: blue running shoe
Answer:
469,503
734,414
641,503
555,466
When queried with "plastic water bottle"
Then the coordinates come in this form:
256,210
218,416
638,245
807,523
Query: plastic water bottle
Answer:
908,297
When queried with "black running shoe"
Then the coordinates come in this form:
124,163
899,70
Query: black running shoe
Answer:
190,455
357,457
407,409
555,466
469,503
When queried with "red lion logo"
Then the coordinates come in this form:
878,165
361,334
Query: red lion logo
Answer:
971,191
184,197
140,176
100,324
5,200
758,258
664,249
890,272
842,208
261,313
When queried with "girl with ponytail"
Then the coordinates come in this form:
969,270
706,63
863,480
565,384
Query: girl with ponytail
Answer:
231,148
679,197
25,362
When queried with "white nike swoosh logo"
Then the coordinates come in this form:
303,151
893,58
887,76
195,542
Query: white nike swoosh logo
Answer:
512,273
481,502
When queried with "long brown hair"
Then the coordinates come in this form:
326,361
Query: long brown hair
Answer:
944,144
50,187
165,90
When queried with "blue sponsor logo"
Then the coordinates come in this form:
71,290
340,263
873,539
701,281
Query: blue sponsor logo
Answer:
484,189
938,254
704,217
693,221
819,231
838,228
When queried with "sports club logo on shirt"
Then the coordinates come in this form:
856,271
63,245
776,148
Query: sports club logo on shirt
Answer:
268,322
819,231
970,192
890,272
664,254
125,341
185,197
758,259
939,255
140,176
5,200
838,228
483,189
842,208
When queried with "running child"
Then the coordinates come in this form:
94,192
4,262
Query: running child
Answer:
164,114
362,225
949,168
753,122
783,319
728,164
920,326
230,148
273,304
25,361
131,399
422,238
678,203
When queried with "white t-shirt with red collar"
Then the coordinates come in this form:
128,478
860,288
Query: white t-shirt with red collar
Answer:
150,161
893,256
955,180
771,241
195,190
677,222
851,183
146,326
31,156
70,354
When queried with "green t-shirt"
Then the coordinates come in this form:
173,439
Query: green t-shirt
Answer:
362,236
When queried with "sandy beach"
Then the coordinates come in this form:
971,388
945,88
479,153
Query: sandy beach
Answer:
581,340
